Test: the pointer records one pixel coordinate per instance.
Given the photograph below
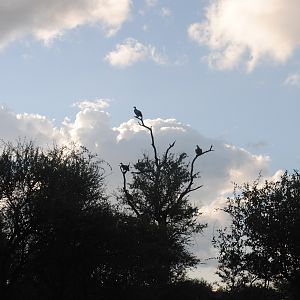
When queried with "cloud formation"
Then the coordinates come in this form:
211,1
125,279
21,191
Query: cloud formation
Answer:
48,19
132,51
248,30
92,127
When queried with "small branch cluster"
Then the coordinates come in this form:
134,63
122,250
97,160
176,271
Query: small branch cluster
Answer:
199,152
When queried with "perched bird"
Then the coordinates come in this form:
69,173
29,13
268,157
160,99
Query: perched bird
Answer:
138,113
124,168
198,150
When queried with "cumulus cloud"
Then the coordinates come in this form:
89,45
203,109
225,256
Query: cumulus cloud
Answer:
250,30
132,51
293,79
92,128
48,19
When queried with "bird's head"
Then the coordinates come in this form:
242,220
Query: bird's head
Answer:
134,107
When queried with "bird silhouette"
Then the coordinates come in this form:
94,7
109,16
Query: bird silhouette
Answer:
138,113
198,150
124,168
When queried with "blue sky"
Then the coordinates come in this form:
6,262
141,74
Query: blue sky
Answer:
230,69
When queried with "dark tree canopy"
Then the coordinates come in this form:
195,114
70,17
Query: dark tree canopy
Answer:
263,241
60,238
55,222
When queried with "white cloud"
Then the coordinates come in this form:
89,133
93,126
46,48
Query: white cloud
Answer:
132,51
92,128
293,79
250,30
48,19
95,105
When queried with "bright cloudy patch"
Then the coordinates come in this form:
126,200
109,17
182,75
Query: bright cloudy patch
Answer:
48,19
92,127
132,51
96,104
248,30
293,79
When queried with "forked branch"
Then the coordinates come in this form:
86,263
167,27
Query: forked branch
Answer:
193,175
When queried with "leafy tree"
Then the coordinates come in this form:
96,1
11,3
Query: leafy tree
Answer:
158,198
262,243
56,225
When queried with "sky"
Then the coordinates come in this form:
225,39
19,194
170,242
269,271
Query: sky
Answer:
221,72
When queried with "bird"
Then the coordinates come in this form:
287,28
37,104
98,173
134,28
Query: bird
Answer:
124,168
198,150
138,113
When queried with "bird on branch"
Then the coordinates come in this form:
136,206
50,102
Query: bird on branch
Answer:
198,151
124,168
138,113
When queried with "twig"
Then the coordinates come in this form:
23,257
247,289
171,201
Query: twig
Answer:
192,176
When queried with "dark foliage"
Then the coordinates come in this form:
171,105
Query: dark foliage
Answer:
262,244
60,238
56,224
251,293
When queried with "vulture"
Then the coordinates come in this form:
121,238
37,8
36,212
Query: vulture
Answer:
124,168
138,113
198,150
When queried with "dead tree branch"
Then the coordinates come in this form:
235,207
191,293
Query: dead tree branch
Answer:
193,175
141,123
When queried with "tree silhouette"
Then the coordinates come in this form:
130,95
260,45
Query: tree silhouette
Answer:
158,197
57,227
263,240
